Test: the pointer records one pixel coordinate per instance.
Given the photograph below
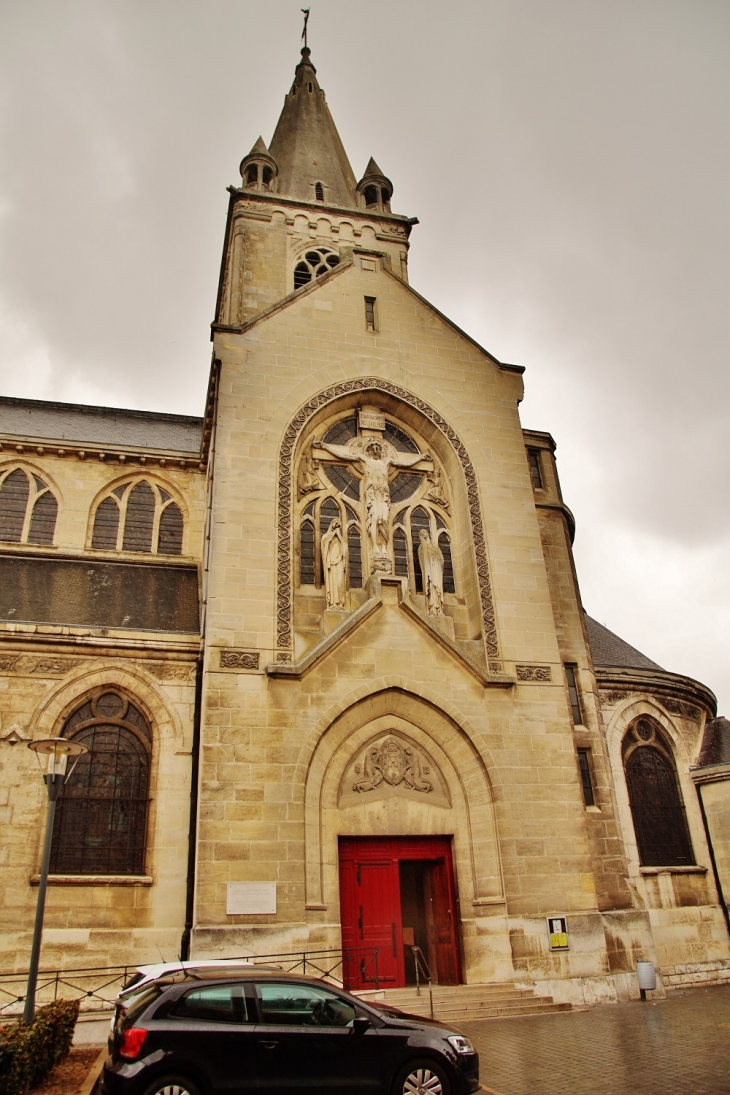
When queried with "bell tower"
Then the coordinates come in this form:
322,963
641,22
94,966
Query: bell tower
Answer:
299,210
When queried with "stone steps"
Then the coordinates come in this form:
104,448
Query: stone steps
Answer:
464,1003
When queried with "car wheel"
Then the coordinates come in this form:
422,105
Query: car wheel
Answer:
422,1078
173,1085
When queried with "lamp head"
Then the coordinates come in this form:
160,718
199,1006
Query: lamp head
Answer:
57,751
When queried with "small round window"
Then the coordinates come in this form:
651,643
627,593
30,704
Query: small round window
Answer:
313,264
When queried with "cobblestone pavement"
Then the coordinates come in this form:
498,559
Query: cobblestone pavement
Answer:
677,1046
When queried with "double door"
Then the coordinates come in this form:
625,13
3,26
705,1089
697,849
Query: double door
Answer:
397,897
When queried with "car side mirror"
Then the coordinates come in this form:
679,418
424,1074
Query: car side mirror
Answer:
360,1024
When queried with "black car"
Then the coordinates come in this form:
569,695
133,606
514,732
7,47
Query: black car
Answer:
201,1034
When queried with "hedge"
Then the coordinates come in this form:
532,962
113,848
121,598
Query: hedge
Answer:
28,1053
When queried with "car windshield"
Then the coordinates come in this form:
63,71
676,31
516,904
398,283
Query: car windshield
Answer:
135,1004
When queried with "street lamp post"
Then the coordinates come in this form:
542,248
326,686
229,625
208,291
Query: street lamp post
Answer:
56,751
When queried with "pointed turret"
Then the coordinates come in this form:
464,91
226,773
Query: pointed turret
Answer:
313,165
375,188
259,169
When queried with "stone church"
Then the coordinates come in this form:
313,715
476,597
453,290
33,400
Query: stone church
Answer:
327,650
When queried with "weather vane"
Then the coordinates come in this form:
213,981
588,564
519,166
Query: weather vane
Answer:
305,13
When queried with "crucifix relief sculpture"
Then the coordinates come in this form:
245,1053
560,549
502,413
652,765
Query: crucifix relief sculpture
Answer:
376,457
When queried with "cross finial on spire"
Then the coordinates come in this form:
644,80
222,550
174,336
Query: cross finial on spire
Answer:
305,13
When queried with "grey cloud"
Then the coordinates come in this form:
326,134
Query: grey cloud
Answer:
568,163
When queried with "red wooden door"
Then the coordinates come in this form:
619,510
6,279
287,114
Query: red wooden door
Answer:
371,917
370,907
444,923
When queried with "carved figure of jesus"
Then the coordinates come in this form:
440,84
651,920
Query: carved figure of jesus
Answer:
333,562
376,463
432,572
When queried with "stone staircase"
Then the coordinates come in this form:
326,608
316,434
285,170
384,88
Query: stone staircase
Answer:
463,1003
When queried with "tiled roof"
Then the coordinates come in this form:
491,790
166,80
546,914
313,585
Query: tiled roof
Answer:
715,743
609,650
73,422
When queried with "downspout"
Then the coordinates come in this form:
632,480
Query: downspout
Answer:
198,707
713,861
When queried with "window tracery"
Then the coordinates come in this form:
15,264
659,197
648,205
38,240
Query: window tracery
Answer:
655,797
340,487
101,815
138,516
28,509
314,263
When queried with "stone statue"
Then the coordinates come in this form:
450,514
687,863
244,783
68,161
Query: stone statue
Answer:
432,572
437,490
333,563
308,479
376,459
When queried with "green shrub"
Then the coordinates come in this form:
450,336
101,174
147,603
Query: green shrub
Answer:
28,1053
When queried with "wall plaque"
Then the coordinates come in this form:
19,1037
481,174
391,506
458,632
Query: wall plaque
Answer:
250,897
370,420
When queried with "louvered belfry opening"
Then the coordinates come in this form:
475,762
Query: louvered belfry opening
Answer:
140,519
150,521
101,816
171,531
23,497
43,518
655,798
13,504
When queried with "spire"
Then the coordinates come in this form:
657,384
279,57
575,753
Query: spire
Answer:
313,165
260,147
372,170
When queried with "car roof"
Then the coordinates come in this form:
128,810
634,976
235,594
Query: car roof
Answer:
256,973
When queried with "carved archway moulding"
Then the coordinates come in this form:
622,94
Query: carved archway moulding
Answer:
284,604
49,716
466,810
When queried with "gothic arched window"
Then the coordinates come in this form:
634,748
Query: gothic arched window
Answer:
138,516
101,815
655,798
28,509
313,264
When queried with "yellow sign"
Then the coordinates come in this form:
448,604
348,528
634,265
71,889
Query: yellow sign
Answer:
557,927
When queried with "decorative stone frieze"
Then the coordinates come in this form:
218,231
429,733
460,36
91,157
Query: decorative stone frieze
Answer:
171,671
533,672
239,659
25,665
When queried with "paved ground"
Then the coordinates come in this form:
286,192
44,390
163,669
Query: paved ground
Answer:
677,1046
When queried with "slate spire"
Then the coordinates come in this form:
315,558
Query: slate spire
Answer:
313,164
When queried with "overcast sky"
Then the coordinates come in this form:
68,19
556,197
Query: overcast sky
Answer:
569,161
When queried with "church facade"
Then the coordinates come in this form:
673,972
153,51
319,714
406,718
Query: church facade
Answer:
326,647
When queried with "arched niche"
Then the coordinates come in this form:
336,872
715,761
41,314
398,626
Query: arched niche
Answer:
468,546
462,809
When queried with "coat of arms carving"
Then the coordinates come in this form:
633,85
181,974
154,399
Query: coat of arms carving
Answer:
394,762
392,766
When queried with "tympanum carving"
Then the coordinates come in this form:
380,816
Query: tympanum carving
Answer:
392,765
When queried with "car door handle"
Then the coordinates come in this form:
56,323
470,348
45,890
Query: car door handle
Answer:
269,1045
